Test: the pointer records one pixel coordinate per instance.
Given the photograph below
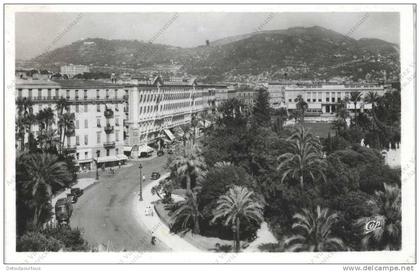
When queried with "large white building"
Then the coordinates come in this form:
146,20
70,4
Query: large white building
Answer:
161,106
113,118
72,70
99,115
321,98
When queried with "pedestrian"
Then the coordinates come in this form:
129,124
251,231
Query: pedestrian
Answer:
153,241
119,164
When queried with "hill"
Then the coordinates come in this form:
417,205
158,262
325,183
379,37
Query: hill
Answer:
298,53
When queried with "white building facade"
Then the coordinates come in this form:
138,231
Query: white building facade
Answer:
322,99
113,118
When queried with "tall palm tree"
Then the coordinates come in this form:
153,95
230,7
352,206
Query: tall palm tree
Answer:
304,157
45,119
194,124
301,107
387,236
24,120
281,116
49,139
189,166
354,98
61,105
44,170
20,131
313,232
341,116
238,204
66,121
187,213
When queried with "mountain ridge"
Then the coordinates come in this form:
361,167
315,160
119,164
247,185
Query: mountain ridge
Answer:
298,51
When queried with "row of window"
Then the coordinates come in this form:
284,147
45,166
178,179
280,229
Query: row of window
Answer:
327,99
98,154
98,138
108,93
98,123
151,108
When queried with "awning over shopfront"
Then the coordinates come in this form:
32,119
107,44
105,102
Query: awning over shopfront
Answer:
107,159
169,134
85,160
122,157
146,149
128,148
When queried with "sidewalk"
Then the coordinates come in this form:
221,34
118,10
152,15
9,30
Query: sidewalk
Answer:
154,224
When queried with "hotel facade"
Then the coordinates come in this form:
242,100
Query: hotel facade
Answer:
113,118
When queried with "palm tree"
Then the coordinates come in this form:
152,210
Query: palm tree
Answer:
43,171
372,98
194,124
281,116
313,232
45,118
304,157
187,213
49,139
387,236
62,104
186,133
301,107
355,97
341,116
66,122
238,204
24,120
189,166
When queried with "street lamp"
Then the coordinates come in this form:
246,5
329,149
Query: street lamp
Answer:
141,184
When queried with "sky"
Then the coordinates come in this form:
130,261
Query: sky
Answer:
37,33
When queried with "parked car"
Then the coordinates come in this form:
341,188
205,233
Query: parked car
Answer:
63,210
76,192
72,198
160,153
155,176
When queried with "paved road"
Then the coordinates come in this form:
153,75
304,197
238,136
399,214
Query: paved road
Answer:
104,212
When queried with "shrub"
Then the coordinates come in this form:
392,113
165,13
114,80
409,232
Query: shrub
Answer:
36,241
71,238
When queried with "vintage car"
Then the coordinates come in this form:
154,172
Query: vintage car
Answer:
63,210
76,192
155,176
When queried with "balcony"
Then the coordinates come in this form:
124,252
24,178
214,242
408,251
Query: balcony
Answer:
70,100
109,145
108,129
108,113
70,149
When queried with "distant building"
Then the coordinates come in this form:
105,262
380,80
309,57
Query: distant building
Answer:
72,70
322,99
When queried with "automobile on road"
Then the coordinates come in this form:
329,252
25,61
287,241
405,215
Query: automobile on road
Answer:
155,176
76,192
63,210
